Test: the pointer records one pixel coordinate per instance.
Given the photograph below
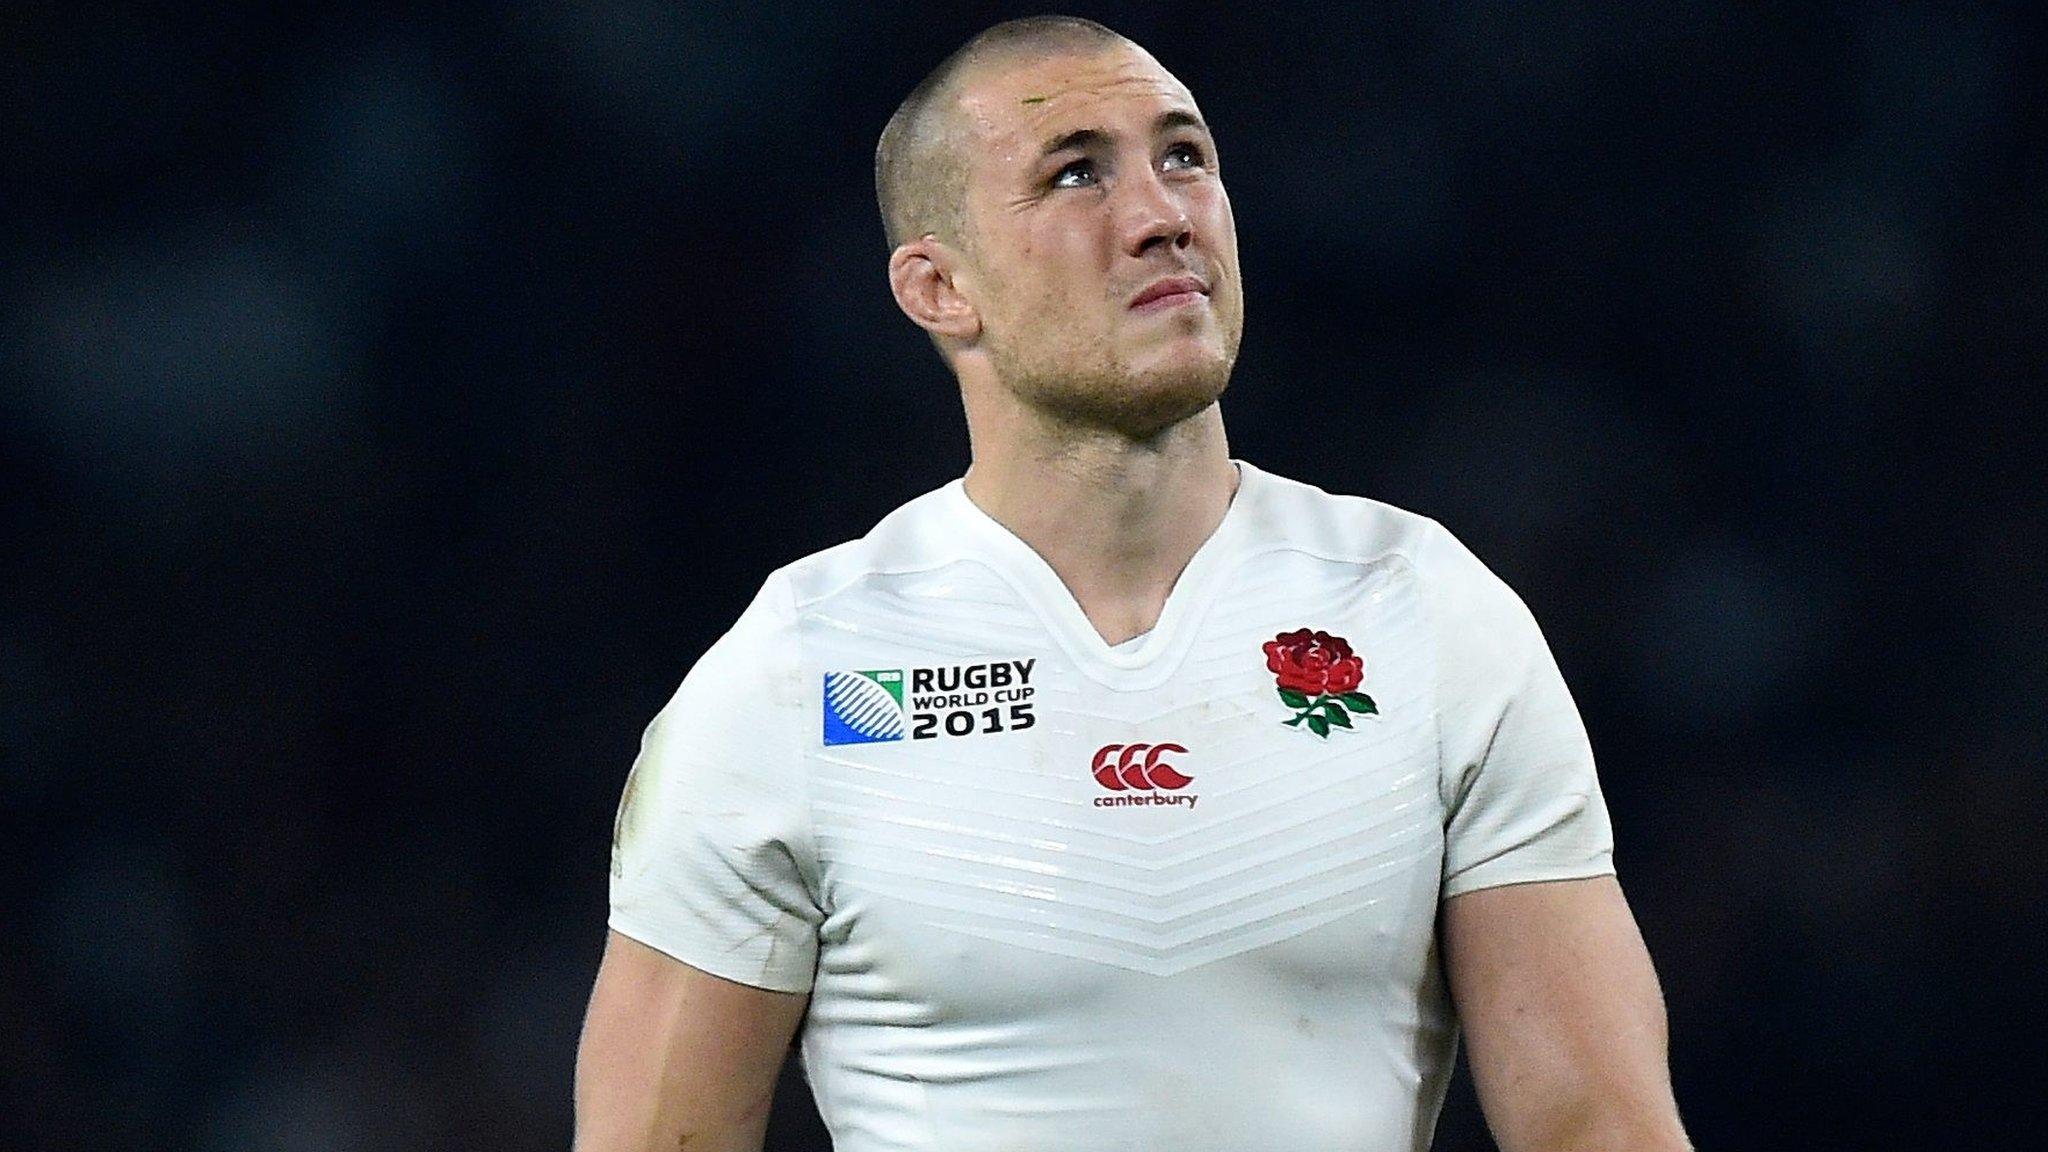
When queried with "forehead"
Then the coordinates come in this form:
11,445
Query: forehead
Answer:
1010,109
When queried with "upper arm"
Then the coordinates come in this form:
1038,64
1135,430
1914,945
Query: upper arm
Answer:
673,1057
712,859
714,908
1521,797
1563,1019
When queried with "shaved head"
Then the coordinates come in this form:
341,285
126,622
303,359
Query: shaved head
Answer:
921,162
1058,226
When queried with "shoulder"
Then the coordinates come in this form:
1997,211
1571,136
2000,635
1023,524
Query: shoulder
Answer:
1333,526
918,536
763,643
1355,529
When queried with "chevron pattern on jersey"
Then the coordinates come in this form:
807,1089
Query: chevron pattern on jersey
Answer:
998,838
1312,847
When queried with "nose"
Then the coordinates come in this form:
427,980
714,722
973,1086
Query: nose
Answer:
1153,215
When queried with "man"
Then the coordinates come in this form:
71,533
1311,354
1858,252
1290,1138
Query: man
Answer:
1118,796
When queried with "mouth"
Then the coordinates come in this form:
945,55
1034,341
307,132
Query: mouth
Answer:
1172,292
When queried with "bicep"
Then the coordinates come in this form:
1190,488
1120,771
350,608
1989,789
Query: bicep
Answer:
675,1057
1563,1019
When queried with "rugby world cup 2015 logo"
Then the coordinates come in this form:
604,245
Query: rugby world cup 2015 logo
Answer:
864,707
874,705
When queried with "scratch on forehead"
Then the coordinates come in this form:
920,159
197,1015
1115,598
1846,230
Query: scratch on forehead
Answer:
1058,79
1040,100
1099,85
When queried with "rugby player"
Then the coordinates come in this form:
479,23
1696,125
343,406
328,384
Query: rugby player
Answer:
1118,795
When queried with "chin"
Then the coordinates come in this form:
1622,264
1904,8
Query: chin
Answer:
1137,405
1161,400
1137,400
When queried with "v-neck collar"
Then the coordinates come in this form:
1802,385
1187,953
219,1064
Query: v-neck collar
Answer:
1145,661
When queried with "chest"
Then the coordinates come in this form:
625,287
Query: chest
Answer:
992,811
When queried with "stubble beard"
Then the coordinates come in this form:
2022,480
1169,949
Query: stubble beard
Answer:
1096,391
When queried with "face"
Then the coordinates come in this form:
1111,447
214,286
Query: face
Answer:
1092,182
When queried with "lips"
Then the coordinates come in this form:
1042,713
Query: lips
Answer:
1171,286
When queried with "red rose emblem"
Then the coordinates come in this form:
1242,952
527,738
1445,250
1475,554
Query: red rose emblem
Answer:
1314,663
1318,676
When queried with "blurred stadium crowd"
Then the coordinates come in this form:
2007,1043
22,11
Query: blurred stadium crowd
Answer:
395,399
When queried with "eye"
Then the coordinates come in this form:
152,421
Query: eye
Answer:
1192,152
1079,174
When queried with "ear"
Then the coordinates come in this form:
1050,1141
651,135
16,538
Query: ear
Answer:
922,276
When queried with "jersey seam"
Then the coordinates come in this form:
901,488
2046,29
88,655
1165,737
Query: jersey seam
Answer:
1425,597
1363,560
1584,870
864,574
800,750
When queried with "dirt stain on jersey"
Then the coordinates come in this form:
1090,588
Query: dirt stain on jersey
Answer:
632,814
625,816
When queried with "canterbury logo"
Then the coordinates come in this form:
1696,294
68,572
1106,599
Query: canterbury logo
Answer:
1119,767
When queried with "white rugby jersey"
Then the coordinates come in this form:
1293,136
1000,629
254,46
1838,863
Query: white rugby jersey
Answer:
1048,895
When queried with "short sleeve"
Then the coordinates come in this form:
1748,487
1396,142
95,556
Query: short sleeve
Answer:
1521,798
711,858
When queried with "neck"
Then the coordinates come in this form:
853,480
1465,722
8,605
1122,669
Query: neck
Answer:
1117,519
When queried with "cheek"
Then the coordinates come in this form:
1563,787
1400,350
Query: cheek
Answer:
1050,277
1216,208
1059,291
1063,256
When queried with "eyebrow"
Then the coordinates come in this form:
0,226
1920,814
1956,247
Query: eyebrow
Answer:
1086,137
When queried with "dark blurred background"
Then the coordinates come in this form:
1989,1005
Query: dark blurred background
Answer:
396,399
